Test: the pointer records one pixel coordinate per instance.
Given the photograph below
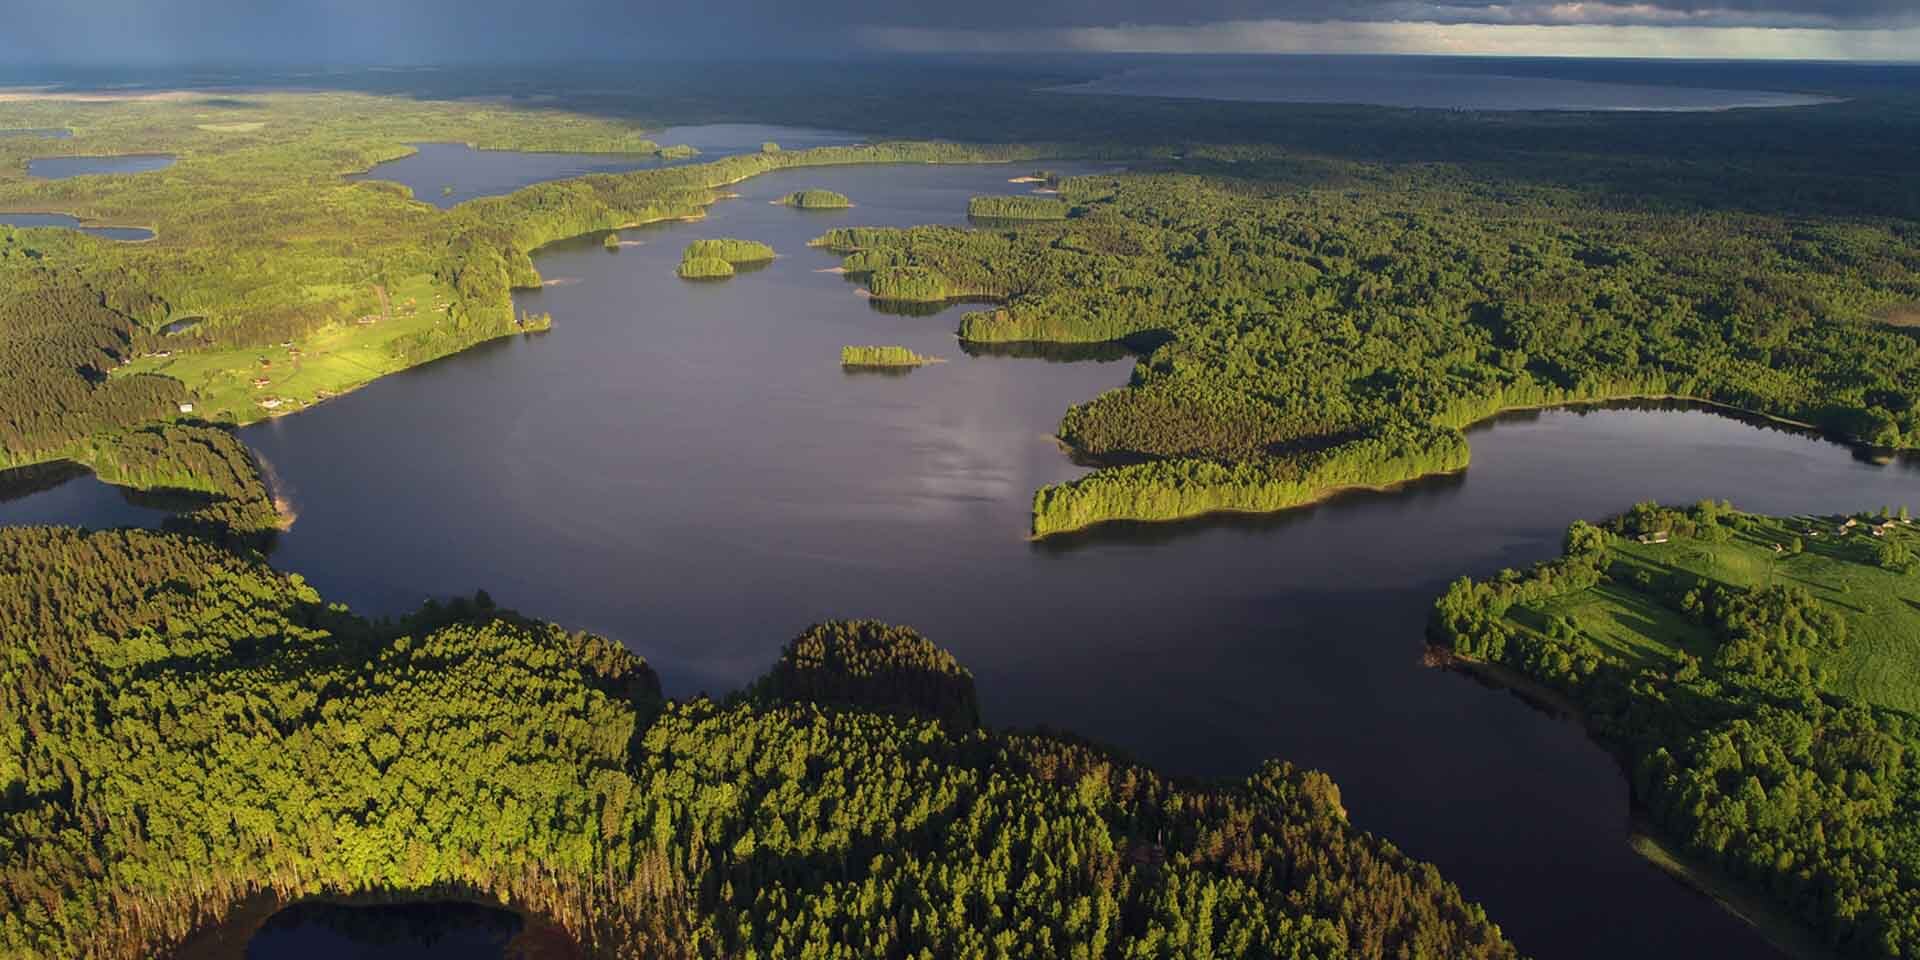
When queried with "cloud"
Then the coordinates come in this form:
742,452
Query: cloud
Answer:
1576,39
346,31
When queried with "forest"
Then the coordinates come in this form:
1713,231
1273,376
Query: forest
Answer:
185,729
1755,677
1305,338
883,356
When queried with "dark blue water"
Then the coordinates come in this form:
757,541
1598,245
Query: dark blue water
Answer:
62,220
445,174
60,168
1417,82
49,133
685,467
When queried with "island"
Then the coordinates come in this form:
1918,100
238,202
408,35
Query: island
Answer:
889,356
716,259
815,200
611,241
678,151
252,726
1756,678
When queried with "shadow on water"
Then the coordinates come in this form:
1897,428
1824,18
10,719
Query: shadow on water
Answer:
1050,352
423,931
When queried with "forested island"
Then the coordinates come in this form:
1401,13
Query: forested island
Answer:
188,734
1017,208
1755,675
719,259
884,356
815,200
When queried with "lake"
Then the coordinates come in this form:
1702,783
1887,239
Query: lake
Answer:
1415,82
60,168
445,174
685,467
130,234
51,133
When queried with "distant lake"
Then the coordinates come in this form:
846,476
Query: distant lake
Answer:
62,220
686,468
51,133
471,173
60,168
1414,83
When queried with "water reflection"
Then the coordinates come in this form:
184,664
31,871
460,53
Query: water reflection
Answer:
60,168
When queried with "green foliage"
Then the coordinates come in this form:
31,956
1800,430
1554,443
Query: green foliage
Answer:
224,489
611,241
873,665
1289,314
730,250
769,147
816,200
883,357
182,729
1177,488
705,268
1018,208
1736,698
678,151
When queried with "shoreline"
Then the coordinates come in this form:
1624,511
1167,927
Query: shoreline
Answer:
1599,403
1642,835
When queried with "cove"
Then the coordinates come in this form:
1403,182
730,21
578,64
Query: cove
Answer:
127,234
685,467
60,168
447,174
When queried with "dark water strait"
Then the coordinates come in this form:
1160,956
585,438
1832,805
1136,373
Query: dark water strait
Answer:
60,168
685,467
62,220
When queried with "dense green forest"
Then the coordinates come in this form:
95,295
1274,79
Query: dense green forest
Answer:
885,356
1756,677
815,200
1017,208
183,729
1306,337
728,249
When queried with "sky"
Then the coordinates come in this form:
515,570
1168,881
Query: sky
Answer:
142,32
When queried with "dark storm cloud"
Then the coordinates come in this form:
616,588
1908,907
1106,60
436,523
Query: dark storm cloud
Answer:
319,31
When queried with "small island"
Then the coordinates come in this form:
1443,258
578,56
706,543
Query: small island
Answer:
889,356
716,259
815,200
678,151
1018,208
611,241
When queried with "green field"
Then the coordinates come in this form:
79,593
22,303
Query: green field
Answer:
1880,659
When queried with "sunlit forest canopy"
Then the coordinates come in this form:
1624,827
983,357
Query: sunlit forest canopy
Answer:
847,801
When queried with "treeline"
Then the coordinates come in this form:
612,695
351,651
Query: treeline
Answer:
225,490
1017,208
728,249
1739,753
815,199
183,728
1184,487
877,666
883,356
1293,311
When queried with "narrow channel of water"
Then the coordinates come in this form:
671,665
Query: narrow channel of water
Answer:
60,168
128,234
445,174
684,466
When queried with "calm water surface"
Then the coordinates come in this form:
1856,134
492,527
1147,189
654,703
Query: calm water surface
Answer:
1362,80
470,173
60,168
684,466
62,220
